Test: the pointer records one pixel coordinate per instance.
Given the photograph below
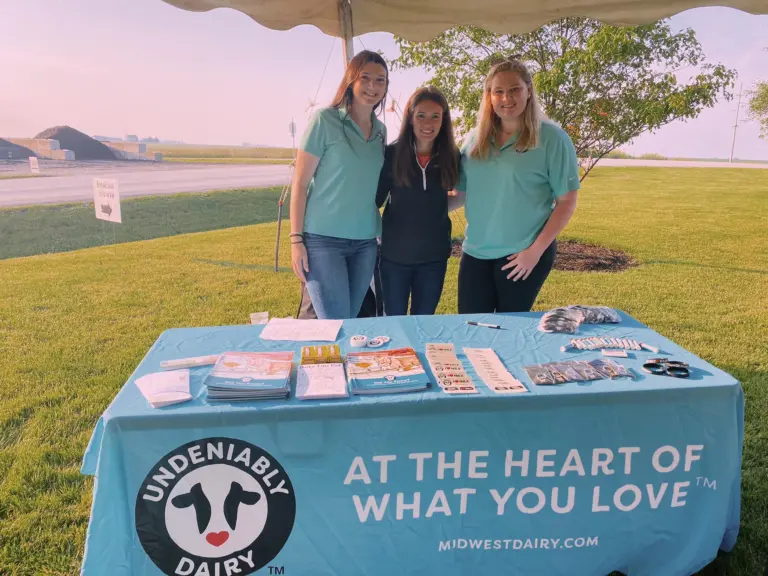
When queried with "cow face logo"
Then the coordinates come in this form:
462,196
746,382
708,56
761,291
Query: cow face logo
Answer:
218,502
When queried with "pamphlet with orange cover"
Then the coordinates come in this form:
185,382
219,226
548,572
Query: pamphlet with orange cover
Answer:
386,371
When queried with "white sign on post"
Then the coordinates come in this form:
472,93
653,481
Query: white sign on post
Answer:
34,166
106,199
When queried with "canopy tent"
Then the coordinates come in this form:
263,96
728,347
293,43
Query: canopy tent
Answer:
421,20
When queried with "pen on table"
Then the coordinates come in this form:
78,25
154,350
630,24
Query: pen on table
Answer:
483,324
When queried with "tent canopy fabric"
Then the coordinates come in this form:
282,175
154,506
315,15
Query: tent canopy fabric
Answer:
422,20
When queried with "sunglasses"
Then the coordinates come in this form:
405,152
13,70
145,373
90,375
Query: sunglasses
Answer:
665,367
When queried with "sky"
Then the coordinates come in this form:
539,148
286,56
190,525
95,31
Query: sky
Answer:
117,67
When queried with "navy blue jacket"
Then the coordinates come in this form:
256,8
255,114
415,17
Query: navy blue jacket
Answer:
416,228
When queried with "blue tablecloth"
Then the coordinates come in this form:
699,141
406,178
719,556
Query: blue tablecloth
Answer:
581,479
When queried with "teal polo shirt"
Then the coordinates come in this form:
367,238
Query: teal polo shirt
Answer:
341,198
510,196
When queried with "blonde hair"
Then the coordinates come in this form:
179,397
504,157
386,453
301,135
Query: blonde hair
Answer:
489,123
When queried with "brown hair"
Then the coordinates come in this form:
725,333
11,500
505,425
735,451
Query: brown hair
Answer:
352,73
489,123
443,146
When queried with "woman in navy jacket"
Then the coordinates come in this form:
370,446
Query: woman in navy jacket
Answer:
419,170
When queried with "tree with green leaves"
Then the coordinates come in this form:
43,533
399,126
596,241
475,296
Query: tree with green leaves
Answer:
758,106
604,85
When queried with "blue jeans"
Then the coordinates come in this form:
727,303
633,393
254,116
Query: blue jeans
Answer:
423,283
340,271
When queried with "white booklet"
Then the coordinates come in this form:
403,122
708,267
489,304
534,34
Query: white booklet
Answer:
319,381
301,330
165,388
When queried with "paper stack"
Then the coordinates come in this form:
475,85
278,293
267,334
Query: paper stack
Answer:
321,381
165,388
448,369
493,372
386,372
239,376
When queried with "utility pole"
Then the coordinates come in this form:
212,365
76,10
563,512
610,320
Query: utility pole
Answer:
292,131
736,124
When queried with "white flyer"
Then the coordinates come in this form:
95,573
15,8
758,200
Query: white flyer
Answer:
319,381
165,388
492,371
301,330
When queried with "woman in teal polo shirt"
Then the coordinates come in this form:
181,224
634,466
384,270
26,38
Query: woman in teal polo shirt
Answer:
334,218
520,177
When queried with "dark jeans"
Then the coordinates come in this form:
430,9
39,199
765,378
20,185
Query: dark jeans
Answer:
422,283
340,272
484,288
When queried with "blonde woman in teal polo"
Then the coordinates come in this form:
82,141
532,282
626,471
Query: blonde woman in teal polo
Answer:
334,218
519,183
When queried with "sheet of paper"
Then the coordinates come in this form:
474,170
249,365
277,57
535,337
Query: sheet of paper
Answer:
302,330
165,388
493,372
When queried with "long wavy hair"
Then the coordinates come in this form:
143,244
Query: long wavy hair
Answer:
489,122
344,94
444,145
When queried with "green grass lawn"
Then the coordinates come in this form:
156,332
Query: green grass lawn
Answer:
194,151
16,176
61,228
73,326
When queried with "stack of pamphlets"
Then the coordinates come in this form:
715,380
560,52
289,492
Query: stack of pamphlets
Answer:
239,376
386,372
321,373
321,381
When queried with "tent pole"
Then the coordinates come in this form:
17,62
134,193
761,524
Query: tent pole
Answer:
346,31
348,49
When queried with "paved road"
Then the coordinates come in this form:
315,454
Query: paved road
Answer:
186,178
152,179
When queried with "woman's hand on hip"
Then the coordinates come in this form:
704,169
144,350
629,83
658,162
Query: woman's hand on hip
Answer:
299,260
521,265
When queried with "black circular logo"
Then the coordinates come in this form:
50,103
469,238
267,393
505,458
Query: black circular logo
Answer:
216,501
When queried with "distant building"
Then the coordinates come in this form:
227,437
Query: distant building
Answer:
131,138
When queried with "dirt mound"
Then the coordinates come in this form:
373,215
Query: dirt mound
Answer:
9,150
84,147
578,257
